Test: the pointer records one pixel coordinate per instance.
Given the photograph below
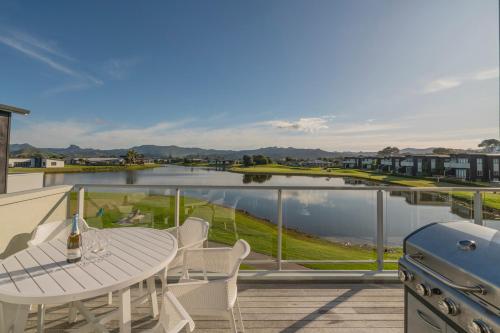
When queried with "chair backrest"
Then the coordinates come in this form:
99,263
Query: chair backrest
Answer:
239,252
54,230
173,317
193,230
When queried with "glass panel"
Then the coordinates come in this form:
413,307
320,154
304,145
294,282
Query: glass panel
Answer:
126,207
329,225
237,214
491,209
407,211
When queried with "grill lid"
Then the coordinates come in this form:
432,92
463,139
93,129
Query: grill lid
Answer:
463,252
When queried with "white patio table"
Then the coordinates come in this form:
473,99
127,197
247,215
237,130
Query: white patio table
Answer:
41,275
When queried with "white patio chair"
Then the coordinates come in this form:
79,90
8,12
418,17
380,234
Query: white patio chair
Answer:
54,230
192,234
217,297
173,317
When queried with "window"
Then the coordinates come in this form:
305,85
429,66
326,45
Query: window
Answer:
433,164
53,163
419,165
479,163
461,173
496,166
463,160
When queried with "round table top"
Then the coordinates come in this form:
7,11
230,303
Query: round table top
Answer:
41,275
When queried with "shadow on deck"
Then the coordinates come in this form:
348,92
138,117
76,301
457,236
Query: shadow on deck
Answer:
267,307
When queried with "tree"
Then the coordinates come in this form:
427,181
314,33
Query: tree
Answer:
490,145
131,157
388,151
442,151
247,160
261,159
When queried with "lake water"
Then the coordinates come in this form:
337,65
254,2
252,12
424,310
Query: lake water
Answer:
336,215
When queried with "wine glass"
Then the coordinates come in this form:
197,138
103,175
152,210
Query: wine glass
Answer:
88,243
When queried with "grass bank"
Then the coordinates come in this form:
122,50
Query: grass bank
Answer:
103,210
84,168
491,201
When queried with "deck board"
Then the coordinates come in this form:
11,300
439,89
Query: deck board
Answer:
284,308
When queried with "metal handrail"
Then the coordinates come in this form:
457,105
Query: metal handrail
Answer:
299,187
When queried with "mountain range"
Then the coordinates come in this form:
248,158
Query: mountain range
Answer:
154,151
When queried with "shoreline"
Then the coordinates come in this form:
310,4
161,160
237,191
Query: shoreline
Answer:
84,169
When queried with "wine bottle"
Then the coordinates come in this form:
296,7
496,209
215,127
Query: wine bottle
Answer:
74,251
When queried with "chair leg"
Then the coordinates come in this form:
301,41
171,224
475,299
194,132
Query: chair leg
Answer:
110,298
40,318
232,321
72,313
240,318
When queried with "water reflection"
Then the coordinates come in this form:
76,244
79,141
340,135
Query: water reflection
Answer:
260,179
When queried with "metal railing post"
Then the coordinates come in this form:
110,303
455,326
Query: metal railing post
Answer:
280,228
478,208
81,202
177,206
380,230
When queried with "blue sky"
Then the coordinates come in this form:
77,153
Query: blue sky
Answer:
337,75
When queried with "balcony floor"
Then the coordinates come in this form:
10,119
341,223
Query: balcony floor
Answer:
267,307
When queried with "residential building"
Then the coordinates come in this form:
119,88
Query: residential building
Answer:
51,163
21,162
98,160
369,162
351,162
471,166
35,162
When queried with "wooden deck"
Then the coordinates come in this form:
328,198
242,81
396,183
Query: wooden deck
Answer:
335,308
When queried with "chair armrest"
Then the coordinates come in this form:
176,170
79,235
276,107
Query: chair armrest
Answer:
192,246
196,294
213,260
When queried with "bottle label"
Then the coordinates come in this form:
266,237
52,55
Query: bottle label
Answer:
74,253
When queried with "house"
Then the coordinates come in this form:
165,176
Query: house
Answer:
474,166
35,162
21,162
351,162
51,163
317,163
369,162
98,160
422,165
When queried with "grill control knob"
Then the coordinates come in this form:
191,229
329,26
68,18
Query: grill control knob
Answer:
479,326
405,275
448,306
423,289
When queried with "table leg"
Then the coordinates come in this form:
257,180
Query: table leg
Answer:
153,300
40,318
125,311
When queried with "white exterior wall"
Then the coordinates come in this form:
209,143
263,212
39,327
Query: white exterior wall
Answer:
49,163
22,212
14,161
17,182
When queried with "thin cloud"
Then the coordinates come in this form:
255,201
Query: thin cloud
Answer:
303,124
43,52
447,83
119,69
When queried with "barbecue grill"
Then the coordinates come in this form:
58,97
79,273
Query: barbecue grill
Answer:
451,273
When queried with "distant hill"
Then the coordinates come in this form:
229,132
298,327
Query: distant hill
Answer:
154,151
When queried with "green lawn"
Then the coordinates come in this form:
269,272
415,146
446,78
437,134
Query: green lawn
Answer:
84,168
227,225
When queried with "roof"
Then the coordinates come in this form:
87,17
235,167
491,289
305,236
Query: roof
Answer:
13,109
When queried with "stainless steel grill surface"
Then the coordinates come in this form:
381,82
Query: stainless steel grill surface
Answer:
451,273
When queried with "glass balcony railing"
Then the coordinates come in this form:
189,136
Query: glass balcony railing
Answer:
293,228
